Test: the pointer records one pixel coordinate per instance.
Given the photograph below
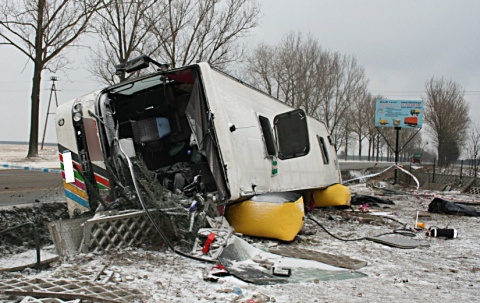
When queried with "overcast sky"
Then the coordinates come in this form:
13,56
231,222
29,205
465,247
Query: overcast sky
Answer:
401,44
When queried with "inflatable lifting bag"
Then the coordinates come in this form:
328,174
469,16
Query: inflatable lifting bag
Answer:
334,195
276,215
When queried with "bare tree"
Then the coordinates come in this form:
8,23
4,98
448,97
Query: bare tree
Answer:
290,71
373,137
360,115
473,149
125,31
193,31
298,72
345,81
261,71
41,30
446,114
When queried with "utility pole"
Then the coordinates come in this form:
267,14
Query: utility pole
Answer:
53,91
397,151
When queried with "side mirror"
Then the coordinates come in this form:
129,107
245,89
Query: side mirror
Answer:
138,63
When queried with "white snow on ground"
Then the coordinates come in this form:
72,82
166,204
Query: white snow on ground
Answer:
16,155
439,270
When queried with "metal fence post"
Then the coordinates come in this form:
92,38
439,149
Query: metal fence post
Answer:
410,177
461,171
37,246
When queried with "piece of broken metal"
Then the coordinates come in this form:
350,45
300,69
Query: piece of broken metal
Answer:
215,247
281,271
315,255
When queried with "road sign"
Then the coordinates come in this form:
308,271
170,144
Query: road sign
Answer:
399,113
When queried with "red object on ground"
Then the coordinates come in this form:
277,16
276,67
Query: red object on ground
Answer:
364,208
206,246
219,267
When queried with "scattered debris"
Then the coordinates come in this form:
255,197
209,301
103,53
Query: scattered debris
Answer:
256,298
439,205
26,259
69,290
226,289
423,214
364,208
29,299
238,257
281,271
395,241
215,273
370,200
209,247
442,233
39,214
315,255
67,235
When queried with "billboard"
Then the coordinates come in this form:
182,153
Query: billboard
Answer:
399,113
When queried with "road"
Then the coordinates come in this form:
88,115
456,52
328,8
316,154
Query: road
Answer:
23,186
354,165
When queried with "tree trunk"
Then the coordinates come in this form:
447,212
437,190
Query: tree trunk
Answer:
35,110
36,80
442,155
370,149
374,140
346,149
359,148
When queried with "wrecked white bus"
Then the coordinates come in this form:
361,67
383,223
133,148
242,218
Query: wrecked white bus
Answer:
194,133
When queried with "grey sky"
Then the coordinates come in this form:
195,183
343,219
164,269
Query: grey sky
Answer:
401,44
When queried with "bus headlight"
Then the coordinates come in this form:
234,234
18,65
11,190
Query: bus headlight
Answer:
77,107
77,117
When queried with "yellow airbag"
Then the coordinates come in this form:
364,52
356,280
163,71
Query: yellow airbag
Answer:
276,220
335,195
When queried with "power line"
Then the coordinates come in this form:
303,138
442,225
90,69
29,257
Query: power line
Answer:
419,92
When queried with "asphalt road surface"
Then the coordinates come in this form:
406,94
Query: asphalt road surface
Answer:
352,165
23,186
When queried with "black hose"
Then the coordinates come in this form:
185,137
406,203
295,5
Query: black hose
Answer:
328,232
402,232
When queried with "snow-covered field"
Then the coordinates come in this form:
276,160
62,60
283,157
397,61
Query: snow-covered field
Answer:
15,154
439,270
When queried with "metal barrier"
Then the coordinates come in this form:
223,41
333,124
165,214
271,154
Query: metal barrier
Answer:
456,181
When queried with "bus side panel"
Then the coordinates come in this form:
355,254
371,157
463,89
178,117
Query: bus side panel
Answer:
236,108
